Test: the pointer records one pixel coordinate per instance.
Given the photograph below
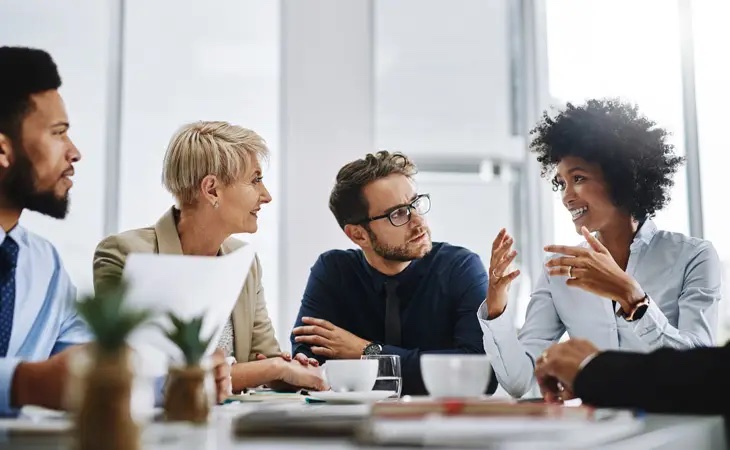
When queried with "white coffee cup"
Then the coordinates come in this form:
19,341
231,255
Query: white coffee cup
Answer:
351,375
455,376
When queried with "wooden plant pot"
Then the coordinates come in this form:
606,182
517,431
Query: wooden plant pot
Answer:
186,398
104,417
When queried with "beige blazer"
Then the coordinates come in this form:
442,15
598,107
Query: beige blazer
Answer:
252,329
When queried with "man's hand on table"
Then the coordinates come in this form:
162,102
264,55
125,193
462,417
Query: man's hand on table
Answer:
558,366
329,340
43,383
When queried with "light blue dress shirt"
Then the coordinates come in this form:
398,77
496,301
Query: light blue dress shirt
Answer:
45,320
681,274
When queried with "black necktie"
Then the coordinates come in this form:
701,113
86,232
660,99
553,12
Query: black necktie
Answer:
392,314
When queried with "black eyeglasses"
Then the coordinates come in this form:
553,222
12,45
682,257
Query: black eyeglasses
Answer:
401,215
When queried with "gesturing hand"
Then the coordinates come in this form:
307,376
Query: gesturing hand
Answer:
329,340
499,277
593,269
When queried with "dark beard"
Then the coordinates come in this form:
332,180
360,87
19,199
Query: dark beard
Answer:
394,253
19,189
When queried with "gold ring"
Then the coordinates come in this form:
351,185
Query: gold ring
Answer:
495,276
570,272
544,357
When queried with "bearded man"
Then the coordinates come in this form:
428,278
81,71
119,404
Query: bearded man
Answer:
399,293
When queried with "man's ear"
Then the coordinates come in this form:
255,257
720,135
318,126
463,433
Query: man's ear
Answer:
210,190
6,149
358,235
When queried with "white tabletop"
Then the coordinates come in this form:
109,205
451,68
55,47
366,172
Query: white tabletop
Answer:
658,432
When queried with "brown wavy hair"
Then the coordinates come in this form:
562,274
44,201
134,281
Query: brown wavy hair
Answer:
347,201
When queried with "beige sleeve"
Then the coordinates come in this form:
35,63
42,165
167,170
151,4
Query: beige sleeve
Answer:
109,259
263,338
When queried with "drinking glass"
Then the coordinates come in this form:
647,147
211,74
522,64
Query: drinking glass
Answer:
389,375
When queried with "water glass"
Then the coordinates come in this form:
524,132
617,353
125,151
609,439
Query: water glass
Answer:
389,374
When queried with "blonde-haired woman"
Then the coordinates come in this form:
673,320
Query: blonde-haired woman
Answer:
213,170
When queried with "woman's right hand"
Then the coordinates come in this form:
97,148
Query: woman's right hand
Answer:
298,375
286,356
499,277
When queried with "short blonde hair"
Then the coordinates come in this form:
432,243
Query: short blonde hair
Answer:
203,148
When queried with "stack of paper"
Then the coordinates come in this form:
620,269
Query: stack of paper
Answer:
499,432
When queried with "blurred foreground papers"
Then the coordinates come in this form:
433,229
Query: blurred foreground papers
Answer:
504,433
188,286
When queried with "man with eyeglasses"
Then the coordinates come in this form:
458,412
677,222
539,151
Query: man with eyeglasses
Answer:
400,294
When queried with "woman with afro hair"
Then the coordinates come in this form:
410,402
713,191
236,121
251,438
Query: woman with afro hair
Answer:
629,286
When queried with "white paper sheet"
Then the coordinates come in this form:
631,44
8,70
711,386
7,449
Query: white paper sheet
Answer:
189,286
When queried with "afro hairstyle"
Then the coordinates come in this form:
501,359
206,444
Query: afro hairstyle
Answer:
633,153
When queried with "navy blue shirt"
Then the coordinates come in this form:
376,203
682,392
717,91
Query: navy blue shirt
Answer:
440,295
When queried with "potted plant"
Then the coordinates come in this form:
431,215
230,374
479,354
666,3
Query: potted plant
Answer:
186,398
103,419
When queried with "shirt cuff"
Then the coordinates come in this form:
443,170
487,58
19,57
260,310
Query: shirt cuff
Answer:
511,364
160,383
501,323
7,371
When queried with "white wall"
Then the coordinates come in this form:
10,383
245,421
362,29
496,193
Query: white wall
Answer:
468,210
327,121
171,76
179,68
443,78
76,34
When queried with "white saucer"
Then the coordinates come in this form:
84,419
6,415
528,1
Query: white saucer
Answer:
351,397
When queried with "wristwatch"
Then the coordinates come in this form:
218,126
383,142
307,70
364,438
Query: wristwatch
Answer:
638,311
372,348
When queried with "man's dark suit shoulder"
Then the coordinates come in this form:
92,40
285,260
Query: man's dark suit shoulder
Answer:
337,256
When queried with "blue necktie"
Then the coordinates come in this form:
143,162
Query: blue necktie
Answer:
8,262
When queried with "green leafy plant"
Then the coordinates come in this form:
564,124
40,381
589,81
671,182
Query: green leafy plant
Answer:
109,321
186,335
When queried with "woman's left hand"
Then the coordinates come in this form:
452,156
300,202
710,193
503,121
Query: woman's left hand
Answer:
593,269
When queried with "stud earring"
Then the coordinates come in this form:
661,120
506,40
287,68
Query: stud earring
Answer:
215,204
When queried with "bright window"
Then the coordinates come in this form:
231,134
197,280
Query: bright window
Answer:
626,49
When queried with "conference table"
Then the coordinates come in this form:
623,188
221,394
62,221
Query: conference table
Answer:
657,432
